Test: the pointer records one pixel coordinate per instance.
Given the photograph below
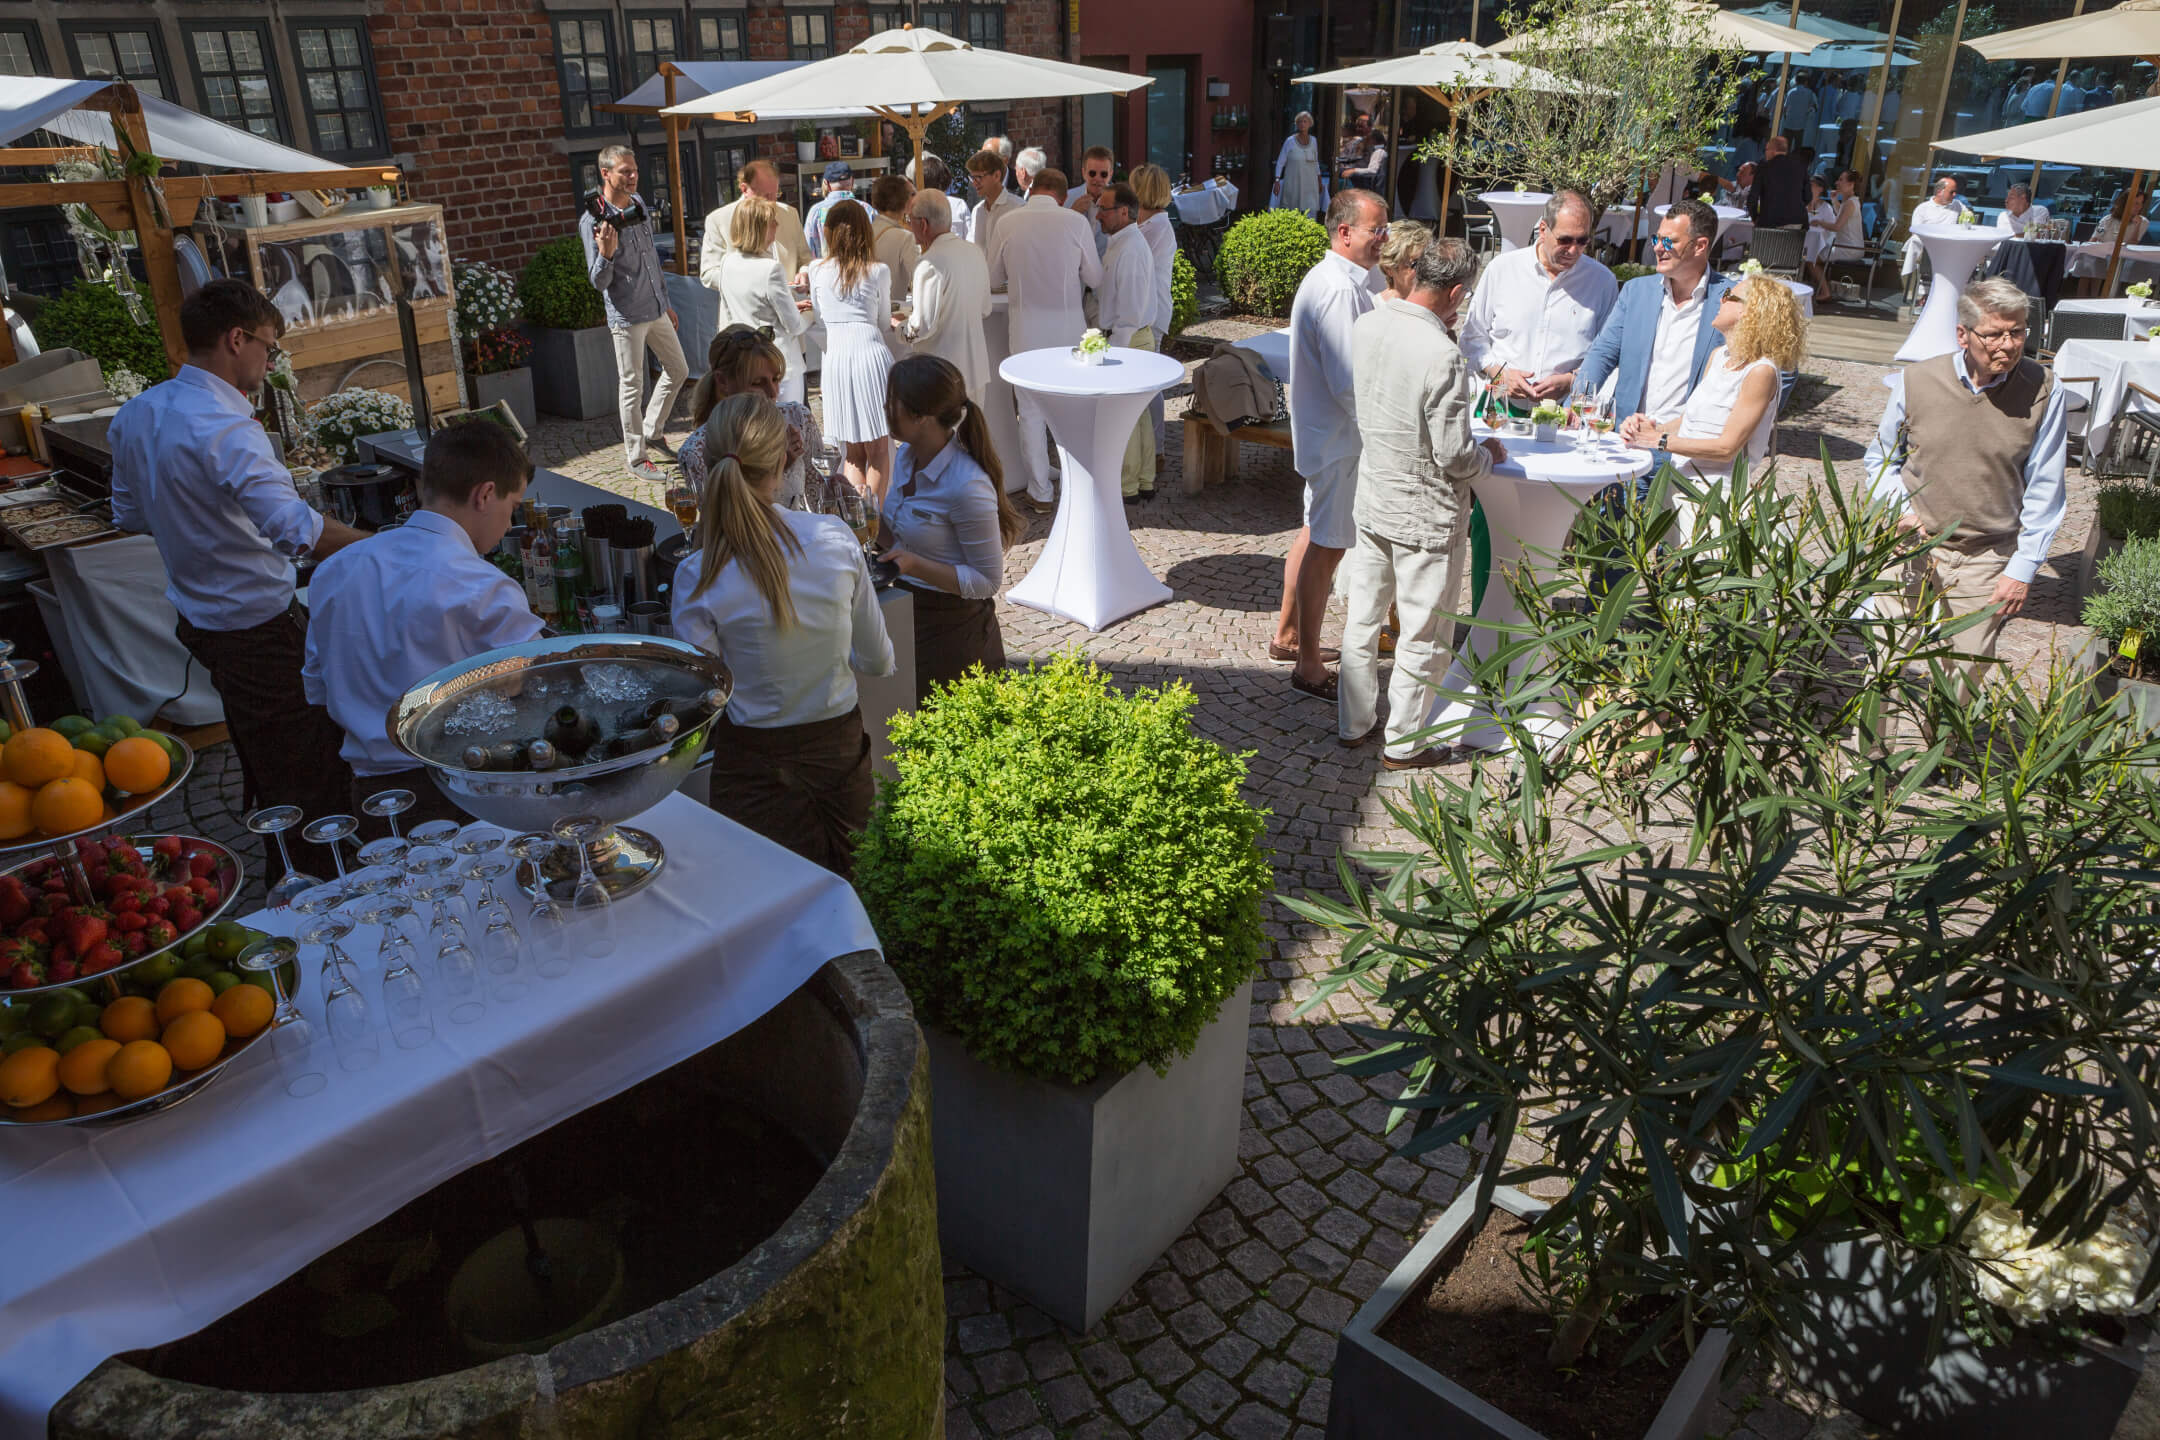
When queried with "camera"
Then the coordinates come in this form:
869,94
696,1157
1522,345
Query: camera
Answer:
621,220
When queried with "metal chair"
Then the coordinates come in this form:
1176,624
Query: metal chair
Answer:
1482,232
1778,248
2078,325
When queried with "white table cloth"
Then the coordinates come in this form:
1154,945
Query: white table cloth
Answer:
2139,262
1516,212
2138,316
1954,251
2110,365
1204,204
1530,503
115,638
1614,225
1728,216
1273,348
1804,293
1090,570
138,1234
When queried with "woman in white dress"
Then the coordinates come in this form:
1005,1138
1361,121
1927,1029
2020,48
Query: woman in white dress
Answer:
852,293
2090,270
1297,171
1834,232
754,290
1729,416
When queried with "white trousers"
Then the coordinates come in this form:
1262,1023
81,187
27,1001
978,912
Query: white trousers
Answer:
630,346
1034,447
1423,586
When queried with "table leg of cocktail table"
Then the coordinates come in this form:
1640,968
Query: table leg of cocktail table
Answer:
1090,569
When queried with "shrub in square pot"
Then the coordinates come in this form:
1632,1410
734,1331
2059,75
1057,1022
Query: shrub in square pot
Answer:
2124,616
1068,882
498,355
573,360
1792,943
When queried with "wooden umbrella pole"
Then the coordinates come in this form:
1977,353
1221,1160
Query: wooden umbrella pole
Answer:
674,172
1784,73
2137,203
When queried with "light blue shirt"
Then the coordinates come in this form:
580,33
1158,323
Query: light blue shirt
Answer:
952,517
814,224
2042,512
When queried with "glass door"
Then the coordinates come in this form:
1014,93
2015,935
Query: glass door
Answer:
1169,110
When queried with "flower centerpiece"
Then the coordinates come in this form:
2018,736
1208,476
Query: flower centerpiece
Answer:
1546,417
1093,348
2142,290
497,351
1751,266
338,421
1966,217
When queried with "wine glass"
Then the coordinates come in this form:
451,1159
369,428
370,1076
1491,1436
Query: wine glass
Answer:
433,832
682,502
329,830
868,534
499,940
318,907
429,866
274,821
1601,417
459,970
388,853
352,1027
291,1038
592,909
385,909
388,805
544,925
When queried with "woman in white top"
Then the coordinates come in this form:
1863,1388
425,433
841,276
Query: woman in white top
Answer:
739,361
852,294
1297,171
1729,416
784,597
1151,187
2092,269
754,289
1834,229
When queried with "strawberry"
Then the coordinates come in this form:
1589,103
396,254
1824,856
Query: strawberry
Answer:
59,972
23,958
134,947
130,921
186,919
160,907
100,958
54,884
34,929
85,928
202,864
127,903
15,901
178,894
23,975
157,934
167,847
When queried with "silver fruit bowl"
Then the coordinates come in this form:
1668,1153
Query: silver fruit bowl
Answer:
503,699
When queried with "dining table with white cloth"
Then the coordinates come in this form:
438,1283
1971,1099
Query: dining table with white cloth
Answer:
2139,317
1516,214
1273,349
1954,252
131,1235
1732,224
2139,262
1204,204
2102,371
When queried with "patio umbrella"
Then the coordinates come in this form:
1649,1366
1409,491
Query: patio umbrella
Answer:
1455,73
2114,137
2131,28
1719,28
1840,57
912,77
1838,30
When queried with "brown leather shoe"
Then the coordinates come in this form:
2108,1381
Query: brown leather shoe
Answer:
1318,689
1359,742
1287,655
1424,760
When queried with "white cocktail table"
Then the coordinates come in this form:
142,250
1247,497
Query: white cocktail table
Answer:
1954,251
1530,502
1090,570
1516,212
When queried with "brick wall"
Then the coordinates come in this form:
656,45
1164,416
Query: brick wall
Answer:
474,115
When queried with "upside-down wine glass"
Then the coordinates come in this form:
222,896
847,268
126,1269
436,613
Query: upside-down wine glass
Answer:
405,998
388,805
292,1039
314,907
433,832
274,821
352,1026
592,909
388,850
459,970
544,928
329,830
499,937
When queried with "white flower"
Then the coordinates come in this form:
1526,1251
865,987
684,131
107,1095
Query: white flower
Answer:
338,421
1751,266
486,298
2098,1275
124,384
2143,290
1094,342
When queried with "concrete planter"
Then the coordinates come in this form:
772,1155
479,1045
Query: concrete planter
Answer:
573,372
1382,1393
1866,1349
1067,1193
515,386
833,1326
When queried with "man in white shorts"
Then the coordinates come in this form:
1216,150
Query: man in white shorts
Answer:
1323,428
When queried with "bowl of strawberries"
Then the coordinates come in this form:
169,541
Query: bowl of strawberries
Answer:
111,904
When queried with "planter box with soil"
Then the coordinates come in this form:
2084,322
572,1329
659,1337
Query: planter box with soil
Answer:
513,386
573,372
1450,1348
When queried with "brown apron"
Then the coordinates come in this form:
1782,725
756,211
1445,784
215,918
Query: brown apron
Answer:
951,634
806,787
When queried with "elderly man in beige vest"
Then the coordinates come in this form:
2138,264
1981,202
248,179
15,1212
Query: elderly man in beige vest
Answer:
1972,447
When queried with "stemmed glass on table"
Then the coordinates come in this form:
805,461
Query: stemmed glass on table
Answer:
318,925
544,922
388,805
405,998
592,912
291,1037
329,830
274,821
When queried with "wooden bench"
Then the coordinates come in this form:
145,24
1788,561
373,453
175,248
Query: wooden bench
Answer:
1211,456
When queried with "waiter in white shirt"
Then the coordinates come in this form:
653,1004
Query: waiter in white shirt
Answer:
193,468
1044,258
1536,310
1125,310
2019,213
393,610
952,295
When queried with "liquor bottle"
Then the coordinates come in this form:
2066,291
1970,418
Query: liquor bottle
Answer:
570,732
540,575
662,731
569,575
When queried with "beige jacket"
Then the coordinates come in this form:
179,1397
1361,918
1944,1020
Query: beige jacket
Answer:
1414,394
790,248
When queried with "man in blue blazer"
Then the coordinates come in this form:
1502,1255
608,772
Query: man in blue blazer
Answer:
1659,334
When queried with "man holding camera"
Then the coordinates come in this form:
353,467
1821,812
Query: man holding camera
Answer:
624,267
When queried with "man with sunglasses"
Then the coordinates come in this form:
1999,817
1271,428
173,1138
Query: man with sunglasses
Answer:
1972,447
1096,168
193,468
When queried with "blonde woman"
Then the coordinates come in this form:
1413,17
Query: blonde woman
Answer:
1298,185
784,597
1729,416
851,289
1151,186
1406,240
754,290
742,360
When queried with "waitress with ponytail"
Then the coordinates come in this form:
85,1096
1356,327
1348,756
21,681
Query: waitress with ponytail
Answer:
784,597
948,519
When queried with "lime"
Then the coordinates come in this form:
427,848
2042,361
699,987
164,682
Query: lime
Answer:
221,981
72,725
151,975
123,724
97,741
76,1036
260,981
7,732
228,938
87,1007
167,743
11,1019
53,1015
21,1040
196,946
199,967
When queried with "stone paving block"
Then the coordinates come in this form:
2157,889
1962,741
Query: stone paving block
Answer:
1135,1401
1276,1381
1264,1322
1048,1358
1249,1198
978,1333
1313,1405
1327,1310
1363,1279
1230,1355
1255,1421
1197,1323
1069,1397
1207,1395
1288,1288
1102,1428
1172,1424
1000,1370
1166,1291
1340,1228
1312,1349
1135,1326
1353,1189
1273,1170
960,1376
1301,1199
1255,1261
1105,1364
1318,1164
1282,1229
1008,1412
1222,1291
1319,1259
1163,1362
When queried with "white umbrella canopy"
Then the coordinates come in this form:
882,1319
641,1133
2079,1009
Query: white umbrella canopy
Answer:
1814,24
2131,28
1837,56
1449,68
1719,27
695,78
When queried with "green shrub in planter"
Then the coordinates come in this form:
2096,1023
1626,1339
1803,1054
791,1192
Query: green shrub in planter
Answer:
1265,256
1064,876
2129,508
1184,292
2131,600
556,292
91,317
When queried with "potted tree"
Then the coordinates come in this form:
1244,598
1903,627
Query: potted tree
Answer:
805,142
1811,984
498,356
1068,883
2124,616
573,361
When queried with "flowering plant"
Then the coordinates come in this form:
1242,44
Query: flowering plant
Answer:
1545,412
1707,198
1095,342
1966,217
487,298
1751,266
497,351
338,421
2142,290
2098,1275
124,384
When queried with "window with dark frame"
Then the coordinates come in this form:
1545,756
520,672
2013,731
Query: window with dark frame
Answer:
21,51
235,78
986,26
946,19
585,69
726,163
809,34
584,175
720,37
128,53
887,17
653,38
337,88
653,183
40,252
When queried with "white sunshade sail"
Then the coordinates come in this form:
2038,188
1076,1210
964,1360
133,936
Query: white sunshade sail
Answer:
41,102
2114,137
1453,67
1839,56
2131,28
1717,27
696,79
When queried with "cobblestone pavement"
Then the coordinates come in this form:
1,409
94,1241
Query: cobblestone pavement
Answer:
1232,1333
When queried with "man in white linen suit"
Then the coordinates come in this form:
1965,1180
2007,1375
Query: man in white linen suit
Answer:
1044,256
790,248
952,294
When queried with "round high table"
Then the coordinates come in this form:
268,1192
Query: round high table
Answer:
1530,502
1954,251
1090,570
1516,213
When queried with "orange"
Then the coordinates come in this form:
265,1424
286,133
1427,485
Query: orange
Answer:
15,821
90,770
60,1107
37,755
82,1069
131,1017
140,1068
65,806
180,996
137,765
29,1077
194,1039
243,1010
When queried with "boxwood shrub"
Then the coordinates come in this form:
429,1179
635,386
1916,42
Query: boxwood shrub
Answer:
1064,876
1184,292
1264,257
555,291
91,317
